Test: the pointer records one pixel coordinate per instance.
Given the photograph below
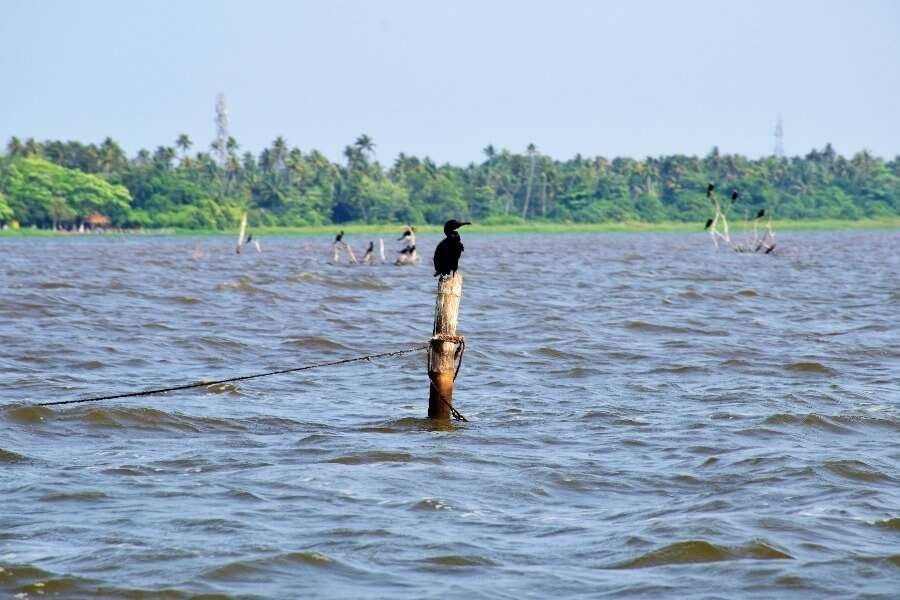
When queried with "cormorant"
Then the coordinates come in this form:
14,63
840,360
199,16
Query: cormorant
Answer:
447,253
708,223
339,236
408,250
709,190
761,213
249,238
734,196
407,232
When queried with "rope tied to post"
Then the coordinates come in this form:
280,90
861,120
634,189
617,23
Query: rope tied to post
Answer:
460,342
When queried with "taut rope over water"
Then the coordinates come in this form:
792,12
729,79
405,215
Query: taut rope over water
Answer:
242,378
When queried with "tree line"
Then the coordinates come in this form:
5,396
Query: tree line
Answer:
60,183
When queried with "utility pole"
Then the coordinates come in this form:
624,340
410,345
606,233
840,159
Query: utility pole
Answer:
221,142
779,138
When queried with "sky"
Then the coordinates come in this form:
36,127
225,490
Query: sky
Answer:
445,79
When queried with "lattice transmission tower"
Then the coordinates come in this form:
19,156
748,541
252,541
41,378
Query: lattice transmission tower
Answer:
220,144
779,138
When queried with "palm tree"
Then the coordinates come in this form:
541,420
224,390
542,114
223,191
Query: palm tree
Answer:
14,147
365,144
490,152
231,145
183,143
279,152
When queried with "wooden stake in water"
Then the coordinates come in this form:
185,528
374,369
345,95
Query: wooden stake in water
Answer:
445,346
240,242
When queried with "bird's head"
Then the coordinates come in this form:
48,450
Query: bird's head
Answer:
453,225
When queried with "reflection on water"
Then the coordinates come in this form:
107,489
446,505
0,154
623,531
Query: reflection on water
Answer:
648,418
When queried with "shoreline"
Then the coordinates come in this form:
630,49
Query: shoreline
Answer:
536,227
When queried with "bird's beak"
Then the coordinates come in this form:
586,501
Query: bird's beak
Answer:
465,223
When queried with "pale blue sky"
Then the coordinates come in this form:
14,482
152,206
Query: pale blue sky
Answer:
633,78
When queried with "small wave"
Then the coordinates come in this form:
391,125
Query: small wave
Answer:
405,424
27,415
809,367
54,285
262,568
32,582
888,523
313,342
83,496
314,559
148,419
430,504
700,551
305,276
185,300
378,456
356,283
223,388
856,470
736,362
746,292
655,328
810,420
89,365
456,560
7,456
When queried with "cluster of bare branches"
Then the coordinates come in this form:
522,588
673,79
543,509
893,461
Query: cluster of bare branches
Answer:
718,227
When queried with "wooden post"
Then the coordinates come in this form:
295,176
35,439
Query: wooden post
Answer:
240,242
443,351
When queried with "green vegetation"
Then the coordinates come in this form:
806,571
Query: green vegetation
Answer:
57,183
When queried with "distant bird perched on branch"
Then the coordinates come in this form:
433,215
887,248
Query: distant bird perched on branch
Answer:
708,223
339,236
734,196
761,213
408,250
447,253
407,232
710,189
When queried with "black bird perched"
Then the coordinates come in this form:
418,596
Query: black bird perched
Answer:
339,236
761,213
249,238
709,190
708,223
408,250
734,196
407,232
371,248
447,253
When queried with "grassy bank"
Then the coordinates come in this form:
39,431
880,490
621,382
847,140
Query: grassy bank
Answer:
364,230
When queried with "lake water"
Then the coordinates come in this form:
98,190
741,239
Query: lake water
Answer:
648,418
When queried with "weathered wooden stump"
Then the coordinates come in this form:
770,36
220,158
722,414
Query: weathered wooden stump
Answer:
445,347
242,232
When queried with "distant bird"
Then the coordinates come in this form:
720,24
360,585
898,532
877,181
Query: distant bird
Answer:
339,236
710,189
761,213
734,196
447,253
407,232
708,223
408,250
249,238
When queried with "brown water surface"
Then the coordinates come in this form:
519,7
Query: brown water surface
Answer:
648,418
